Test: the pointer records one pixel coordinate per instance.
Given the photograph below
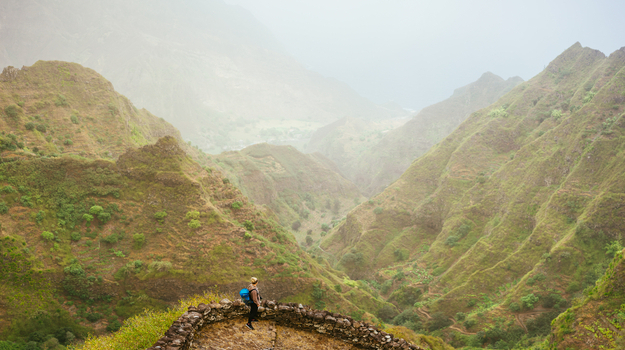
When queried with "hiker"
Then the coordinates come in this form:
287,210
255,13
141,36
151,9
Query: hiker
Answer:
255,298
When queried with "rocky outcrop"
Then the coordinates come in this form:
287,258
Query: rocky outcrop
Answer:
180,335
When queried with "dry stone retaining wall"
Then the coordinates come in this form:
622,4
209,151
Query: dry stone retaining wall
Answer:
181,334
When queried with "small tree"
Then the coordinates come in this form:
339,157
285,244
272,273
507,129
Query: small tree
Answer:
11,111
95,210
139,240
249,225
309,240
195,215
529,301
47,235
87,218
237,205
160,216
195,224
325,227
296,225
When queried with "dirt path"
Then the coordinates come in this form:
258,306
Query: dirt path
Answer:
233,335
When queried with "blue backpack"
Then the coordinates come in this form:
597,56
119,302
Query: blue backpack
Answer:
245,296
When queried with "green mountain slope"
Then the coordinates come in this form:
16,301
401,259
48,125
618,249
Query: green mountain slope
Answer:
511,211
373,156
391,156
203,63
303,190
597,321
95,230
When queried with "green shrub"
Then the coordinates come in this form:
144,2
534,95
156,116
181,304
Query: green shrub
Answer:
75,236
195,224
195,215
74,119
498,113
309,240
42,128
247,236
338,289
460,316
160,266
47,235
556,114
139,240
7,189
378,210
589,96
88,218
95,210
29,126
160,216
529,300
469,323
296,225
514,307
325,227
11,111
438,321
237,205
612,248
3,208
248,225
111,239
60,101
387,313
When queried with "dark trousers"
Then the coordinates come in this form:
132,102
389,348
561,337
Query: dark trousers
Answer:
253,312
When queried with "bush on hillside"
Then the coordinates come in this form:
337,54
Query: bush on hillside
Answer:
529,301
160,216
41,128
514,307
249,225
29,126
438,321
3,208
60,101
386,313
195,215
139,240
194,224
237,205
47,235
296,225
11,111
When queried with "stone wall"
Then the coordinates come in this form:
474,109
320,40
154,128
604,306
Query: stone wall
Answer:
182,332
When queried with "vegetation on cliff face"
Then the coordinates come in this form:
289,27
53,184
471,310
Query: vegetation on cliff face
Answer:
508,218
595,321
93,235
305,191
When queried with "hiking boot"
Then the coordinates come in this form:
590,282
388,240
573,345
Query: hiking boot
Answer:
249,325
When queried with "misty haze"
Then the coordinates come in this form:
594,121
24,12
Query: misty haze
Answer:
403,174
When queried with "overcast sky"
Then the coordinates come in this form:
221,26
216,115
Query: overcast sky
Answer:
417,52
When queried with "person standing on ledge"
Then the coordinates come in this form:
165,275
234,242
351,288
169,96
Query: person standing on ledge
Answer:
255,296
